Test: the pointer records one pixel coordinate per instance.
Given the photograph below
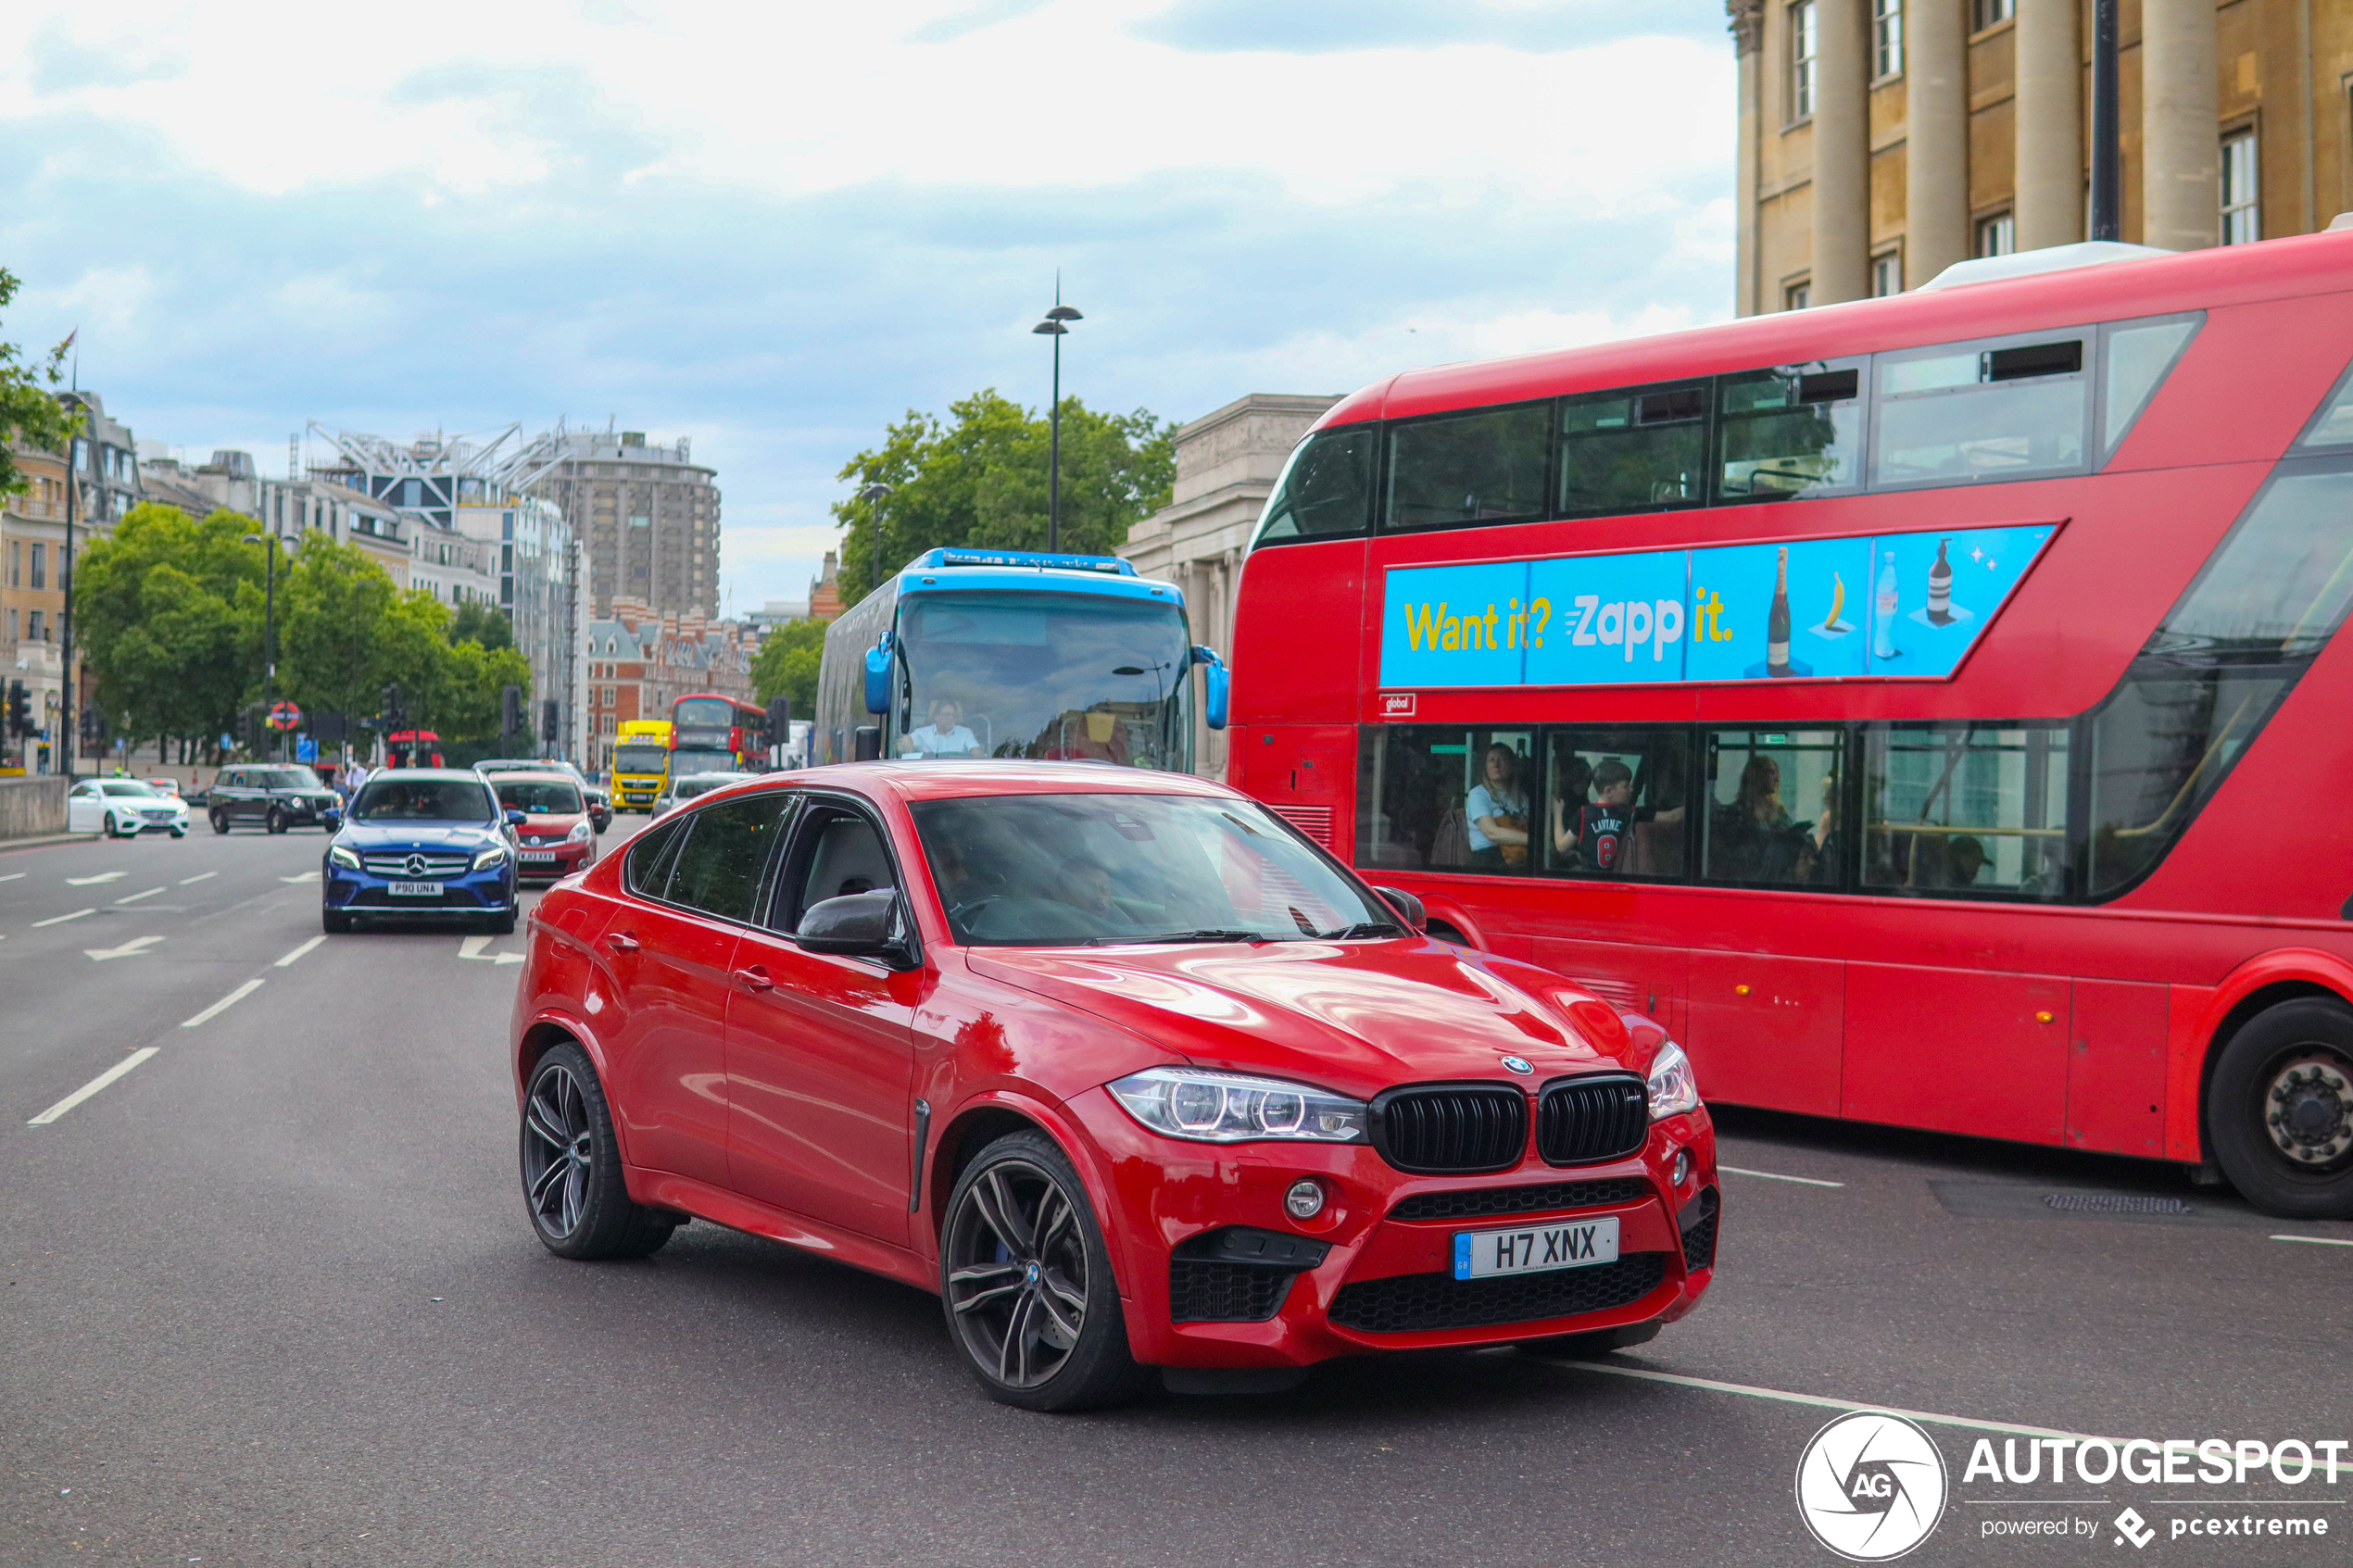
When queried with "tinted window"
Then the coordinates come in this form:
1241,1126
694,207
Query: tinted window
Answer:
1996,409
1632,451
286,778
423,800
1965,808
648,867
719,867
1439,799
1616,802
1772,807
1326,487
2160,748
1467,468
841,854
2278,586
1791,431
126,787
538,798
2333,426
2135,358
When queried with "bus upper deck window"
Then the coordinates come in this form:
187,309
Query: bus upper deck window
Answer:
1460,471
2135,358
1326,490
2333,426
1796,431
1960,413
1633,450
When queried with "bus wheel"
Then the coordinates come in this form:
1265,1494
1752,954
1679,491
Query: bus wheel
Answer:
2280,1110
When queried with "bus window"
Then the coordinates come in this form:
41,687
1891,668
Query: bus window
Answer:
2278,586
1465,469
1996,409
1797,430
2135,357
1615,804
1773,812
1326,488
1435,798
1633,451
1966,808
2160,748
2333,426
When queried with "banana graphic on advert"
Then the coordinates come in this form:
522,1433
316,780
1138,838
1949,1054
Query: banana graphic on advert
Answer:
1831,625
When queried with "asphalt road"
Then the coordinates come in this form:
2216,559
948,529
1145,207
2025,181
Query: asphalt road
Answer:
271,1298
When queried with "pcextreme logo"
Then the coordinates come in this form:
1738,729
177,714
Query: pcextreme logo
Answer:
1870,1487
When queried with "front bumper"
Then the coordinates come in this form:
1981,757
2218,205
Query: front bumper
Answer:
1384,1282
487,892
308,812
153,822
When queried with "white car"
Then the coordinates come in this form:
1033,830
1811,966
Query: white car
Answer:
677,792
124,809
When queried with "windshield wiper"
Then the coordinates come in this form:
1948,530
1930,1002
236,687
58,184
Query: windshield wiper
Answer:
1206,933
1361,928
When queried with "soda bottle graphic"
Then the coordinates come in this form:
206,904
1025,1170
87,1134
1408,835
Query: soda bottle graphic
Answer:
1884,610
1777,622
1940,589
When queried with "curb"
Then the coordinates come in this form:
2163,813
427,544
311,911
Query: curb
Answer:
8,844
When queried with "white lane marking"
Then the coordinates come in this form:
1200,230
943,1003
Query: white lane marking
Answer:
1753,1392
223,1005
306,877
87,881
2315,1240
1776,1176
60,919
92,1086
471,948
129,949
290,958
12,876
198,877
136,896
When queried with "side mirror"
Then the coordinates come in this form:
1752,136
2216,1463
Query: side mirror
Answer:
865,744
516,819
879,677
858,925
1408,905
1216,685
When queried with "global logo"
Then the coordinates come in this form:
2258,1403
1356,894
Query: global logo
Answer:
1518,1064
1870,1487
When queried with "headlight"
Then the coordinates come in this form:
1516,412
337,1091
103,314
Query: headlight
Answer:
580,831
486,859
1191,1102
343,857
1674,1089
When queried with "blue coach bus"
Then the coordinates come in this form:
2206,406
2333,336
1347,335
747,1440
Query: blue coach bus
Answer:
999,653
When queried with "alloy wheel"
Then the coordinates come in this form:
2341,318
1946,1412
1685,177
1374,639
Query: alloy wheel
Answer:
557,1153
1017,1274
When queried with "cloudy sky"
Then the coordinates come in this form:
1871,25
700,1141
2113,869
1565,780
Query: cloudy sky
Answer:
774,227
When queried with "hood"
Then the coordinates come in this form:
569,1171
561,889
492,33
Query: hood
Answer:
1355,1018
546,823
420,835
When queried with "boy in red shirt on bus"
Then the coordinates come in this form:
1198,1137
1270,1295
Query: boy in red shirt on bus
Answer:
1606,825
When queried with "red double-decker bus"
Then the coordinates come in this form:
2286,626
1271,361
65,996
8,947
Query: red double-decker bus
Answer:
712,734
1928,708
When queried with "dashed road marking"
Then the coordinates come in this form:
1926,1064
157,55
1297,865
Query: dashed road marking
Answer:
186,880
1776,1176
136,896
290,958
223,1005
1750,1390
306,877
87,881
92,1086
12,876
60,919
2315,1240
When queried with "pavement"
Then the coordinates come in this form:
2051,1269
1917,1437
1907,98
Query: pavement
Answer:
269,1296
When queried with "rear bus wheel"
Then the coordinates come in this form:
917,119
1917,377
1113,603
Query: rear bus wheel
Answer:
2280,1110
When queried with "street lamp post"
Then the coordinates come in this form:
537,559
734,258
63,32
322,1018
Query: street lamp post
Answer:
1053,327
268,629
872,495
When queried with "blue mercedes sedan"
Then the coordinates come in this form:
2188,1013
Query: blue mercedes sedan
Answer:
423,843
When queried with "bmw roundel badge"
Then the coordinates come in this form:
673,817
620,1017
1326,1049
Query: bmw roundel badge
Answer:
1517,1064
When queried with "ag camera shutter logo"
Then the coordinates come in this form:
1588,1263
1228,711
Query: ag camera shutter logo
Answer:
1870,1487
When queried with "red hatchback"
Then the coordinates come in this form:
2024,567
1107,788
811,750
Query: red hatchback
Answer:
557,835
1118,1064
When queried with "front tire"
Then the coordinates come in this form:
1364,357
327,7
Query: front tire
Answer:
275,821
501,926
1025,1281
219,822
572,1183
2279,1110
334,922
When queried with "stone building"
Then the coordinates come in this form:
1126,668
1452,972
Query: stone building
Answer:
637,661
1881,141
1227,465
647,515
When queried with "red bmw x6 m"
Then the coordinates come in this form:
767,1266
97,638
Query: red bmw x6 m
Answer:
1123,1068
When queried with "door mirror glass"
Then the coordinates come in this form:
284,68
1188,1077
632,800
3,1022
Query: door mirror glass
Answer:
854,925
865,743
516,819
1217,685
879,677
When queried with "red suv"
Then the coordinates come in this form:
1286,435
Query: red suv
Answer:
1126,1070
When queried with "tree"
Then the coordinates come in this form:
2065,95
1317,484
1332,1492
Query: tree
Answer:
29,412
168,616
486,623
982,480
332,609
787,665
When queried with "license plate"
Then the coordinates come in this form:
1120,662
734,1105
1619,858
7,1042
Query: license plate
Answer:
415,889
1535,1249
539,855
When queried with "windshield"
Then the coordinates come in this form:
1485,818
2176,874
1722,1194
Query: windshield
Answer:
1050,871
1049,675
126,787
703,783
287,778
422,800
640,758
537,797
684,762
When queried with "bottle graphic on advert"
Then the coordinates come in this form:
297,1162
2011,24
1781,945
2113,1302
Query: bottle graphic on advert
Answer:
1940,589
1884,610
1777,622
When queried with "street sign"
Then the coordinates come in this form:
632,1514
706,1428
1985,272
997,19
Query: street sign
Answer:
284,716
307,750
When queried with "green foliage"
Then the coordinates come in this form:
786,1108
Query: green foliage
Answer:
29,412
168,614
787,665
486,623
982,481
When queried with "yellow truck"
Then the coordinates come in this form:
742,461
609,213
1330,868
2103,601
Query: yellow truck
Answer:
640,762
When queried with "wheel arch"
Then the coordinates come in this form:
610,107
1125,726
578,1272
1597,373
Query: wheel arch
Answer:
2254,989
977,1124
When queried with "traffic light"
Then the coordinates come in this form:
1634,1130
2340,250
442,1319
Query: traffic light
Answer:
780,720
551,729
510,711
94,726
254,727
19,710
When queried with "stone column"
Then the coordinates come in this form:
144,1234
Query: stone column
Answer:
2049,124
1747,29
2180,110
1936,138
1841,153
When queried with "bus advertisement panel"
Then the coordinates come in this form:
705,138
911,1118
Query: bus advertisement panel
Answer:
1929,708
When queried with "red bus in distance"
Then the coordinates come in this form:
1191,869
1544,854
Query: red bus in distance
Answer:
712,734
1929,708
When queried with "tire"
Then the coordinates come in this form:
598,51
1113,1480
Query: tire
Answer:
334,922
107,826
501,926
2279,1110
275,821
571,1167
219,822
180,831
1009,1301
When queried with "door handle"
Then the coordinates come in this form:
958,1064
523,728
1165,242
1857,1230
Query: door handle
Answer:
755,979
621,941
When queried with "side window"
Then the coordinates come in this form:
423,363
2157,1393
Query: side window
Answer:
1966,808
1633,451
1463,469
1326,488
1616,802
646,869
1962,413
839,852
1796,431
2333,426
719,868
2135,358
1430,797
235,778
1773,806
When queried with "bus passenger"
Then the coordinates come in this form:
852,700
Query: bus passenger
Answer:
1754,838
946,734
1605,830
1497,813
